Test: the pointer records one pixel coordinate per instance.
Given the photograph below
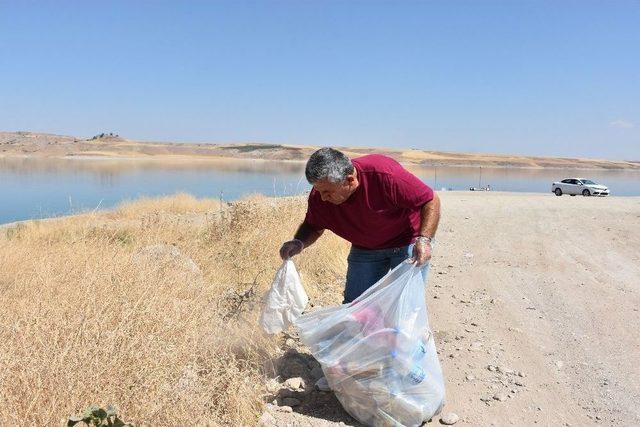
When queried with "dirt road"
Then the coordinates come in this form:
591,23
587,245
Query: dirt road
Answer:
548,286
535,302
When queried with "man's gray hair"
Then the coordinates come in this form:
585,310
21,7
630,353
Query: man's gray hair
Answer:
328,164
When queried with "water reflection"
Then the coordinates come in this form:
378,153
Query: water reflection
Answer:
29,165
40,187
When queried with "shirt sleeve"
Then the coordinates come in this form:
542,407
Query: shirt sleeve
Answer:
407,190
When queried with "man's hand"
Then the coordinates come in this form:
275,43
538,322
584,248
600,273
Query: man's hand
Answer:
421,253
291,248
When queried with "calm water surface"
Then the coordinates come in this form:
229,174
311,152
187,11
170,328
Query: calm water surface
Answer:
40,188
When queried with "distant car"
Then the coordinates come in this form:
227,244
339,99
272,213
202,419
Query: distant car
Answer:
574,186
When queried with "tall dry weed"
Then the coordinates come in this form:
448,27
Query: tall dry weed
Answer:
152,307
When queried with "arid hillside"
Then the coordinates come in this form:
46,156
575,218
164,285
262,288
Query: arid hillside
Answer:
105,145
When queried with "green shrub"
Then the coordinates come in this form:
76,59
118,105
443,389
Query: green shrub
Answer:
98,417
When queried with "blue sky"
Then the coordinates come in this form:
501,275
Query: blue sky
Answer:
559,78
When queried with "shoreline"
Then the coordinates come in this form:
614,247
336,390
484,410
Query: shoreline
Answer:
198,159
6,225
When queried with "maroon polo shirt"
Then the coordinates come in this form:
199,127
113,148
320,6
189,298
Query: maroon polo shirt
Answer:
383,212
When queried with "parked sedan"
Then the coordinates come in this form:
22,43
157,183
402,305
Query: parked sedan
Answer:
573,186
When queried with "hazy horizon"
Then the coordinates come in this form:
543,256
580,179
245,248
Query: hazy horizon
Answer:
493,77
87,137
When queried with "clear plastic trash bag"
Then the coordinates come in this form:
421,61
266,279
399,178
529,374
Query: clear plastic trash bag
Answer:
285,301
378,352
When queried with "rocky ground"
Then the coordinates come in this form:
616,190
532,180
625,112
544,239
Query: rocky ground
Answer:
534,303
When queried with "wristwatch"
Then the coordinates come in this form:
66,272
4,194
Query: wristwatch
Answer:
424,239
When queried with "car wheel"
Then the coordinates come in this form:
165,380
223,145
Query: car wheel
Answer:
586,193
572,195
558,192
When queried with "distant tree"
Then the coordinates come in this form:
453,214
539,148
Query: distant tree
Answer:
104,135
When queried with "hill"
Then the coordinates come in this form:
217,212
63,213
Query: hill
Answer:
108,146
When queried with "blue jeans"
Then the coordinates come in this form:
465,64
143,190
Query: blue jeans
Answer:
367,266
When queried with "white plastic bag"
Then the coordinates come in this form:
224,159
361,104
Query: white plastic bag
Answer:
378,352
285,301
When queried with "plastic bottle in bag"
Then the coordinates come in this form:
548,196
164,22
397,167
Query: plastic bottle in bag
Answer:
410,370
404,342
399,407
408,364
405,410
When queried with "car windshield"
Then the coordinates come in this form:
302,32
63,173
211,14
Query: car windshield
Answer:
588,181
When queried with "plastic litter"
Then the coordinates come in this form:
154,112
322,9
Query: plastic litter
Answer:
285,301
378,352
322,384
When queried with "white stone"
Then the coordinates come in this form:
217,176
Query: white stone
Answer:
267,420
295,383
449,418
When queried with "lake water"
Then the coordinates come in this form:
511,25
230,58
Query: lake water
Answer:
32,188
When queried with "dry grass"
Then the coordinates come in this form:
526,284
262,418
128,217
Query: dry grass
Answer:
88,316
180,203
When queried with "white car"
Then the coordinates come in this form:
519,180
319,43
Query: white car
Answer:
573,186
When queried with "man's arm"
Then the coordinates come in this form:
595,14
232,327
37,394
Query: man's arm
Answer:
304,237
307,235
429,219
